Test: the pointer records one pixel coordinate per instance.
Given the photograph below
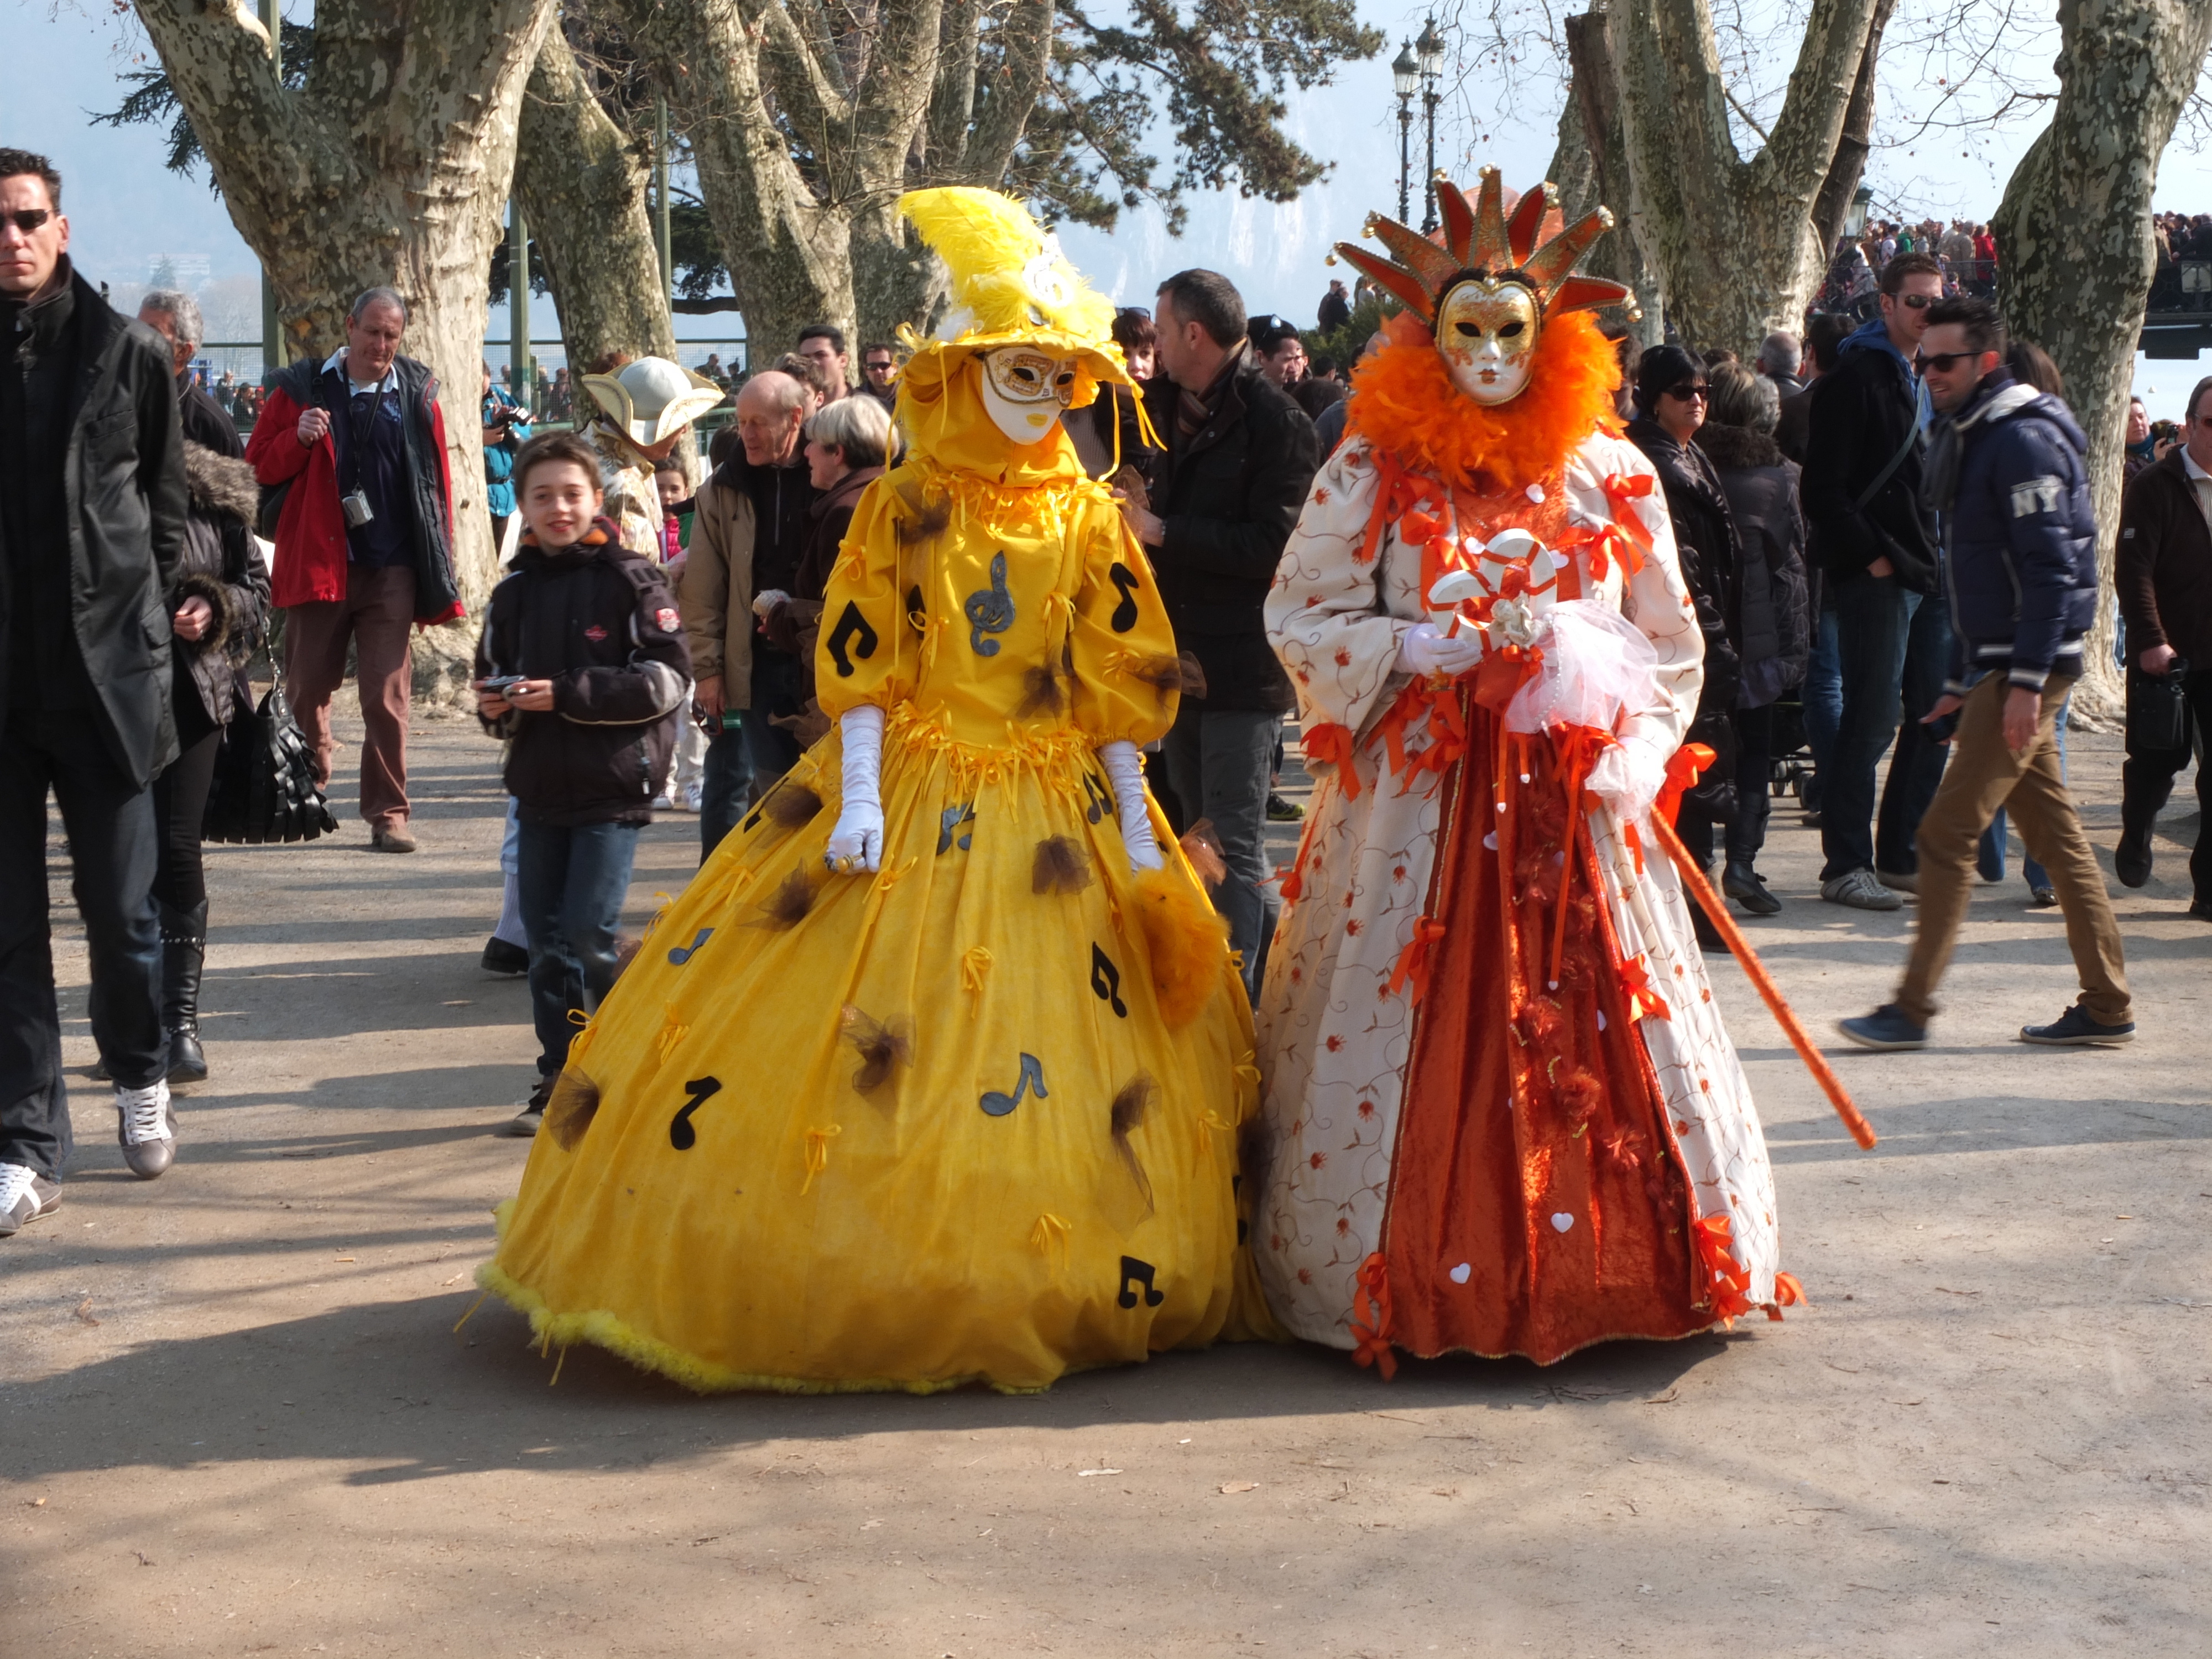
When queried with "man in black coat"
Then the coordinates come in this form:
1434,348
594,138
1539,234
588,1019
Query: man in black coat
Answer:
176,318
1240,458
92,526
1875,545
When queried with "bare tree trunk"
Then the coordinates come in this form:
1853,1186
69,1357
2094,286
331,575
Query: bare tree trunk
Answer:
2073,244
817,237
582,184
1845,172
1591,123
391,167
1733,239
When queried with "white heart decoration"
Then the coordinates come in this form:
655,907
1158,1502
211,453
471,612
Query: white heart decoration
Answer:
1490,841
1461,1274
1561,1220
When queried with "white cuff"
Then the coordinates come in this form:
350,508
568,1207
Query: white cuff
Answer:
1125,769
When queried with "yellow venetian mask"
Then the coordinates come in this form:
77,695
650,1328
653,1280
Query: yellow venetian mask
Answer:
1024,390
1487,330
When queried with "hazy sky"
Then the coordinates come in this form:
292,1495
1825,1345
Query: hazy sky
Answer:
126,211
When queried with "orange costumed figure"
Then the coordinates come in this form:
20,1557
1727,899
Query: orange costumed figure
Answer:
1503,1114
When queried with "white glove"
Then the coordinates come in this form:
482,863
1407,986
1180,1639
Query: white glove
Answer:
1426,650
1125,768
1628,777
767,599
857,843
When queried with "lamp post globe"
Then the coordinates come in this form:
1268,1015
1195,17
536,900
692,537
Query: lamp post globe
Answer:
1406,77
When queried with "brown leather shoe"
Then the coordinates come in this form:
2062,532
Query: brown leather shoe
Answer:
392,839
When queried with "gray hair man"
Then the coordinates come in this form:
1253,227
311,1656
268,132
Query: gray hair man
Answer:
356,446
176,318
1779,356
749,528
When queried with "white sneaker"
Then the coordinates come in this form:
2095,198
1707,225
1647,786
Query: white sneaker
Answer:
147,1128
25,1196
664,802
693,795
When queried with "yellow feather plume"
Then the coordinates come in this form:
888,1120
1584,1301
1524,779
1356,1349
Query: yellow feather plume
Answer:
1009,276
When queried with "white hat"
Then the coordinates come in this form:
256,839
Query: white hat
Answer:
651,398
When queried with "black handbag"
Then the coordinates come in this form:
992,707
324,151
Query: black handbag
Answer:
264,787
2158,710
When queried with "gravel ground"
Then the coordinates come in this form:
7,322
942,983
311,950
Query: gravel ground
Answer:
235,1415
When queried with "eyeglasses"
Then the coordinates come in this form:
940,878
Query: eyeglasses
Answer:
1688,390
1942,361
1916,301
26,220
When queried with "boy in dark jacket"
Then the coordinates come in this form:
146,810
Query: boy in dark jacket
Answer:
582,669
2005,473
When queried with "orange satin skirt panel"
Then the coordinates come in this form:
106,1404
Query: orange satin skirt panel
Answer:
1537,1203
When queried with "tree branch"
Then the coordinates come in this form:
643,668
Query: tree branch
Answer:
1025,37
1797,157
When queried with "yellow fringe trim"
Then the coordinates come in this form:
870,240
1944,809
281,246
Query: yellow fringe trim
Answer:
817,1153
975,963
699,1376
1048,1238
1056,756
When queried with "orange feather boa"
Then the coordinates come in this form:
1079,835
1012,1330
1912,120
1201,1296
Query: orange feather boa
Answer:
1405,404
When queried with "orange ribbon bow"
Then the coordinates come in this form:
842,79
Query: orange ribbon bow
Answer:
1334,744
1643,1000
1682,770
1370,1322
1413,960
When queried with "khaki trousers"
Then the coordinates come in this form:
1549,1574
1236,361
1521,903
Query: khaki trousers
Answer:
377,617
1984,774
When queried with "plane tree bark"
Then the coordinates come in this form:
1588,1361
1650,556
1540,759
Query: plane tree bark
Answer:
391,166
2074,256
1732,239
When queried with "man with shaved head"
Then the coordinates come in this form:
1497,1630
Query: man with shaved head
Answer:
747,531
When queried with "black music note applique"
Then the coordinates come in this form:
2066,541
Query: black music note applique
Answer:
1106,981
1101,803
681,1136
950,819
853,627
684,953
1125,614
998,1105
989,610
1135,1272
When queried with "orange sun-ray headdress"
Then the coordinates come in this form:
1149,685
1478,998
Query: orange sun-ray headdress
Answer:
1481,242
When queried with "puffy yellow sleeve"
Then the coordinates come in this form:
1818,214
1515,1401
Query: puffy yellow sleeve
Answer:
1128,680
866,652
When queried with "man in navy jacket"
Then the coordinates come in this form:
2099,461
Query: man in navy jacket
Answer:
2005,474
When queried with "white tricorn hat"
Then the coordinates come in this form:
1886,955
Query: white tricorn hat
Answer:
652,399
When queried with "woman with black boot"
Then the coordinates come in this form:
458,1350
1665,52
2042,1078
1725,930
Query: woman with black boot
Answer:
218,611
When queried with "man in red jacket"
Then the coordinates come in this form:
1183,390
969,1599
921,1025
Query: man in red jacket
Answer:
364,538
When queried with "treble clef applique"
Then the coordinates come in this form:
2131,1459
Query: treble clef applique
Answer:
989,610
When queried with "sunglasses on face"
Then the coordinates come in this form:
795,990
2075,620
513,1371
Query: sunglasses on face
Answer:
1944,361
1689,390
1916,301
26,220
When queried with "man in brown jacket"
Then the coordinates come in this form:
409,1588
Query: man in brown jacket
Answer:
2164,577
718,576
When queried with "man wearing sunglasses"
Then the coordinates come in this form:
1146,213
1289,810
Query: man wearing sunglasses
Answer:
1875,545
92,527
2005,472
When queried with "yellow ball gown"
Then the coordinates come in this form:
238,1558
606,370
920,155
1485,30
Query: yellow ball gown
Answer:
972,1118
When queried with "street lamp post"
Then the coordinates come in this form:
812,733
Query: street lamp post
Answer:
1431,48
1406,76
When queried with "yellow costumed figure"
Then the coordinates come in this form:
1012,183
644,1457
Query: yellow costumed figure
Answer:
935,1073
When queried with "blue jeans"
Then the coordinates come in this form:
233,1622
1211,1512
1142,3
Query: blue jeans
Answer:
1871,624
112,845
1916,766
573,882
1218,765
1822,699
726,780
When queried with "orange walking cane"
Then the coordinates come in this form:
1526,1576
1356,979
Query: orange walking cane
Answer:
1724,924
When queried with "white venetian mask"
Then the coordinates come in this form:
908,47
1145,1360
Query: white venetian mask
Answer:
1024,390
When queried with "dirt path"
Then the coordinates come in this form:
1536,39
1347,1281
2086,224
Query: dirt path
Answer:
234,1417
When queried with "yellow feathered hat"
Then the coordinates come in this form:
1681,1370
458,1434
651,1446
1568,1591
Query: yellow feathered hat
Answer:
1012,285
